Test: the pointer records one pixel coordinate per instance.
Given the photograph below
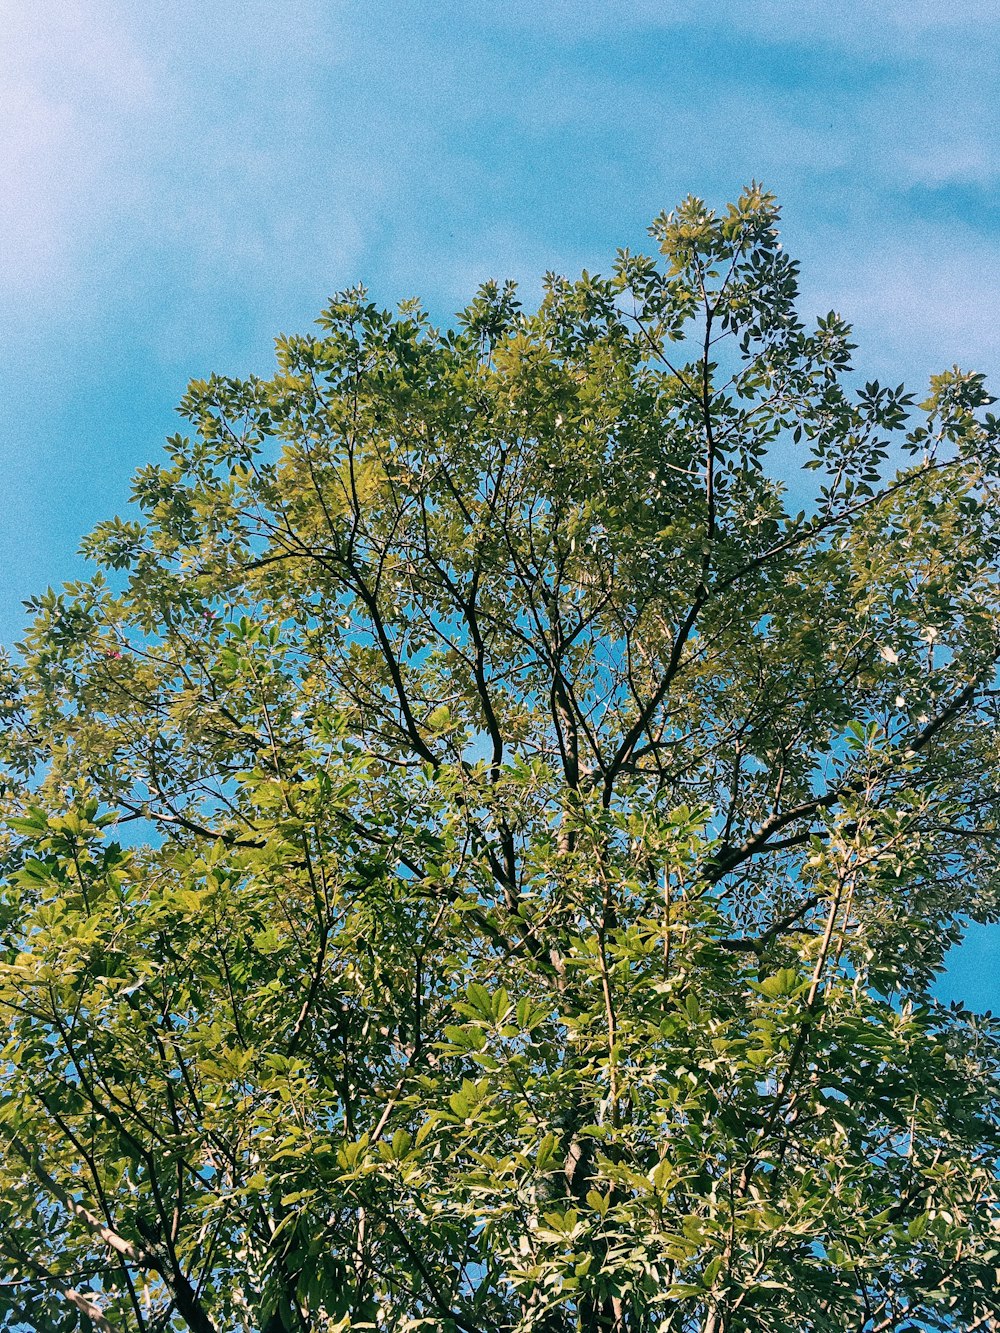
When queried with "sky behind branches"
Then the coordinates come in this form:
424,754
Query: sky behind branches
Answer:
180,182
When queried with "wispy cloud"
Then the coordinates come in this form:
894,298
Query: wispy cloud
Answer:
852,23
71,83
185,144
179,181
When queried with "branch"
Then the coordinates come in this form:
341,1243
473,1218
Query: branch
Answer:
86,1306
729,858
80,1299
138,1255
705,594
737,944
188,1305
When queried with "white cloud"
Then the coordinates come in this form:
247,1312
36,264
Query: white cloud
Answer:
200,158
920,300
71,87
177,160
850,23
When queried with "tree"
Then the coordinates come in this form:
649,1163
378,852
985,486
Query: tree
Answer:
541,839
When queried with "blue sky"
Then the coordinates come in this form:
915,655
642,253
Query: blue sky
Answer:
179,182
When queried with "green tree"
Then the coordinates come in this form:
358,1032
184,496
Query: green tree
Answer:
542,839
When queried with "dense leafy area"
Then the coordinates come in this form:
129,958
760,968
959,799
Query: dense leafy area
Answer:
477,857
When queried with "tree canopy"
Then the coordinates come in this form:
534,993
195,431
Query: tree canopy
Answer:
479,849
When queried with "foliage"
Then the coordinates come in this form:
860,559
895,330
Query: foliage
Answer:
478,857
